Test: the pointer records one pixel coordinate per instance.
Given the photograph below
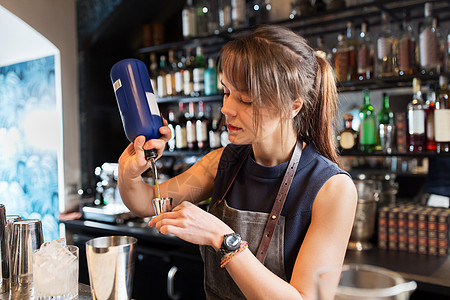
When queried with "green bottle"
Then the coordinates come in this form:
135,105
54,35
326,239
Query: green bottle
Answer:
367,127
385,136
385,115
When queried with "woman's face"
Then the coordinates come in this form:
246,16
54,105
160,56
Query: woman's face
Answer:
239,110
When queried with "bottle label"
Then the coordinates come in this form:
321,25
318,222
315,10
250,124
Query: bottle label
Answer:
364,63
180,137
117,85
188,85
442,125
198,78
190,132
201,130
238,11
347,140
151,100
405,48
172,142
428,49
367,134
416,122
214,139
384,48
178,82
162,86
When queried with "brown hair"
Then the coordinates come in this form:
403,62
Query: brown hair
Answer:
275,66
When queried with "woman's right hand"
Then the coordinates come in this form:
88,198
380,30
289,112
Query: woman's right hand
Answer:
132,162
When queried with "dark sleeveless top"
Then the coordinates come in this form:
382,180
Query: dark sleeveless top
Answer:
256,187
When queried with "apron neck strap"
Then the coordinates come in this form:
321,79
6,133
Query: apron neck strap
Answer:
279,203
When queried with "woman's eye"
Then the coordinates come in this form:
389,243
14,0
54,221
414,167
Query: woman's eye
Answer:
246,102
226,95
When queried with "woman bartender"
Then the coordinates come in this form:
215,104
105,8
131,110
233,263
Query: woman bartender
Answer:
281,207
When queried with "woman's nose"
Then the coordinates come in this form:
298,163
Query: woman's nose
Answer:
228,108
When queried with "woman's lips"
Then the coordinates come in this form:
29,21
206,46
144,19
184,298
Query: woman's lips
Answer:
232,128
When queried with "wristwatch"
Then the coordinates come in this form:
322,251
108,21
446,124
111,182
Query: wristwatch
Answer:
231,242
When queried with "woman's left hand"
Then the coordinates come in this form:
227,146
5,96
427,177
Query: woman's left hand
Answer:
192,224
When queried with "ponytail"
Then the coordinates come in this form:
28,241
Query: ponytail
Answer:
321,129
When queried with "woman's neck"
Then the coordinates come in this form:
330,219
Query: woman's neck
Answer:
273,153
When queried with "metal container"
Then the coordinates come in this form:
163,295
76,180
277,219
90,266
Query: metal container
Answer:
111,262
26,238
4,252
364,223
359,281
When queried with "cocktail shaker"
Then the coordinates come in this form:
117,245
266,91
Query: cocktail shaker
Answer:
4,252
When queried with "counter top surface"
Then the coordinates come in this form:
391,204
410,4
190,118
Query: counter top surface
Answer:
84,293
432,273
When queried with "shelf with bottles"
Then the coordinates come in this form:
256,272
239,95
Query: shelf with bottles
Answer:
357,63
314,20
186,99
427,153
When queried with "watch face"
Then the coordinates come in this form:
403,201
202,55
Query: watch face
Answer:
232,242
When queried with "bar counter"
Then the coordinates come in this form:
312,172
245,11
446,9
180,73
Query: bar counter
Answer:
84,293
432,273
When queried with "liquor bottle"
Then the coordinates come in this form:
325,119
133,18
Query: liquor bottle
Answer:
385,52
189,21
416,119
202,14
428,43
429,117
202,125
188,82
365,54
442,117
214,134
170,76
238,13
210,78
180,128
225,22
348,137
161,81
341,59
179,83
407,44
386,125
213,16
352,45
171,120
191,135
153,71
224,141
367,126
199,73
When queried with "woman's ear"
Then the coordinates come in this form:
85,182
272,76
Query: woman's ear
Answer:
297,105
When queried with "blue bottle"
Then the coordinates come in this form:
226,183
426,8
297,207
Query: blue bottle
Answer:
136,100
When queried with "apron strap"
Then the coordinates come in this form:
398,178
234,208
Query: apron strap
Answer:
278,204
233,177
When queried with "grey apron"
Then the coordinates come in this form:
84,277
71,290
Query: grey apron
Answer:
252,226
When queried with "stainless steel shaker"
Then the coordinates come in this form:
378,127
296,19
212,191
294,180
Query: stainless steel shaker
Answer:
26,238
4,252
111,262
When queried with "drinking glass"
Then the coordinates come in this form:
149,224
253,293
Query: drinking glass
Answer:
359,281
55,271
